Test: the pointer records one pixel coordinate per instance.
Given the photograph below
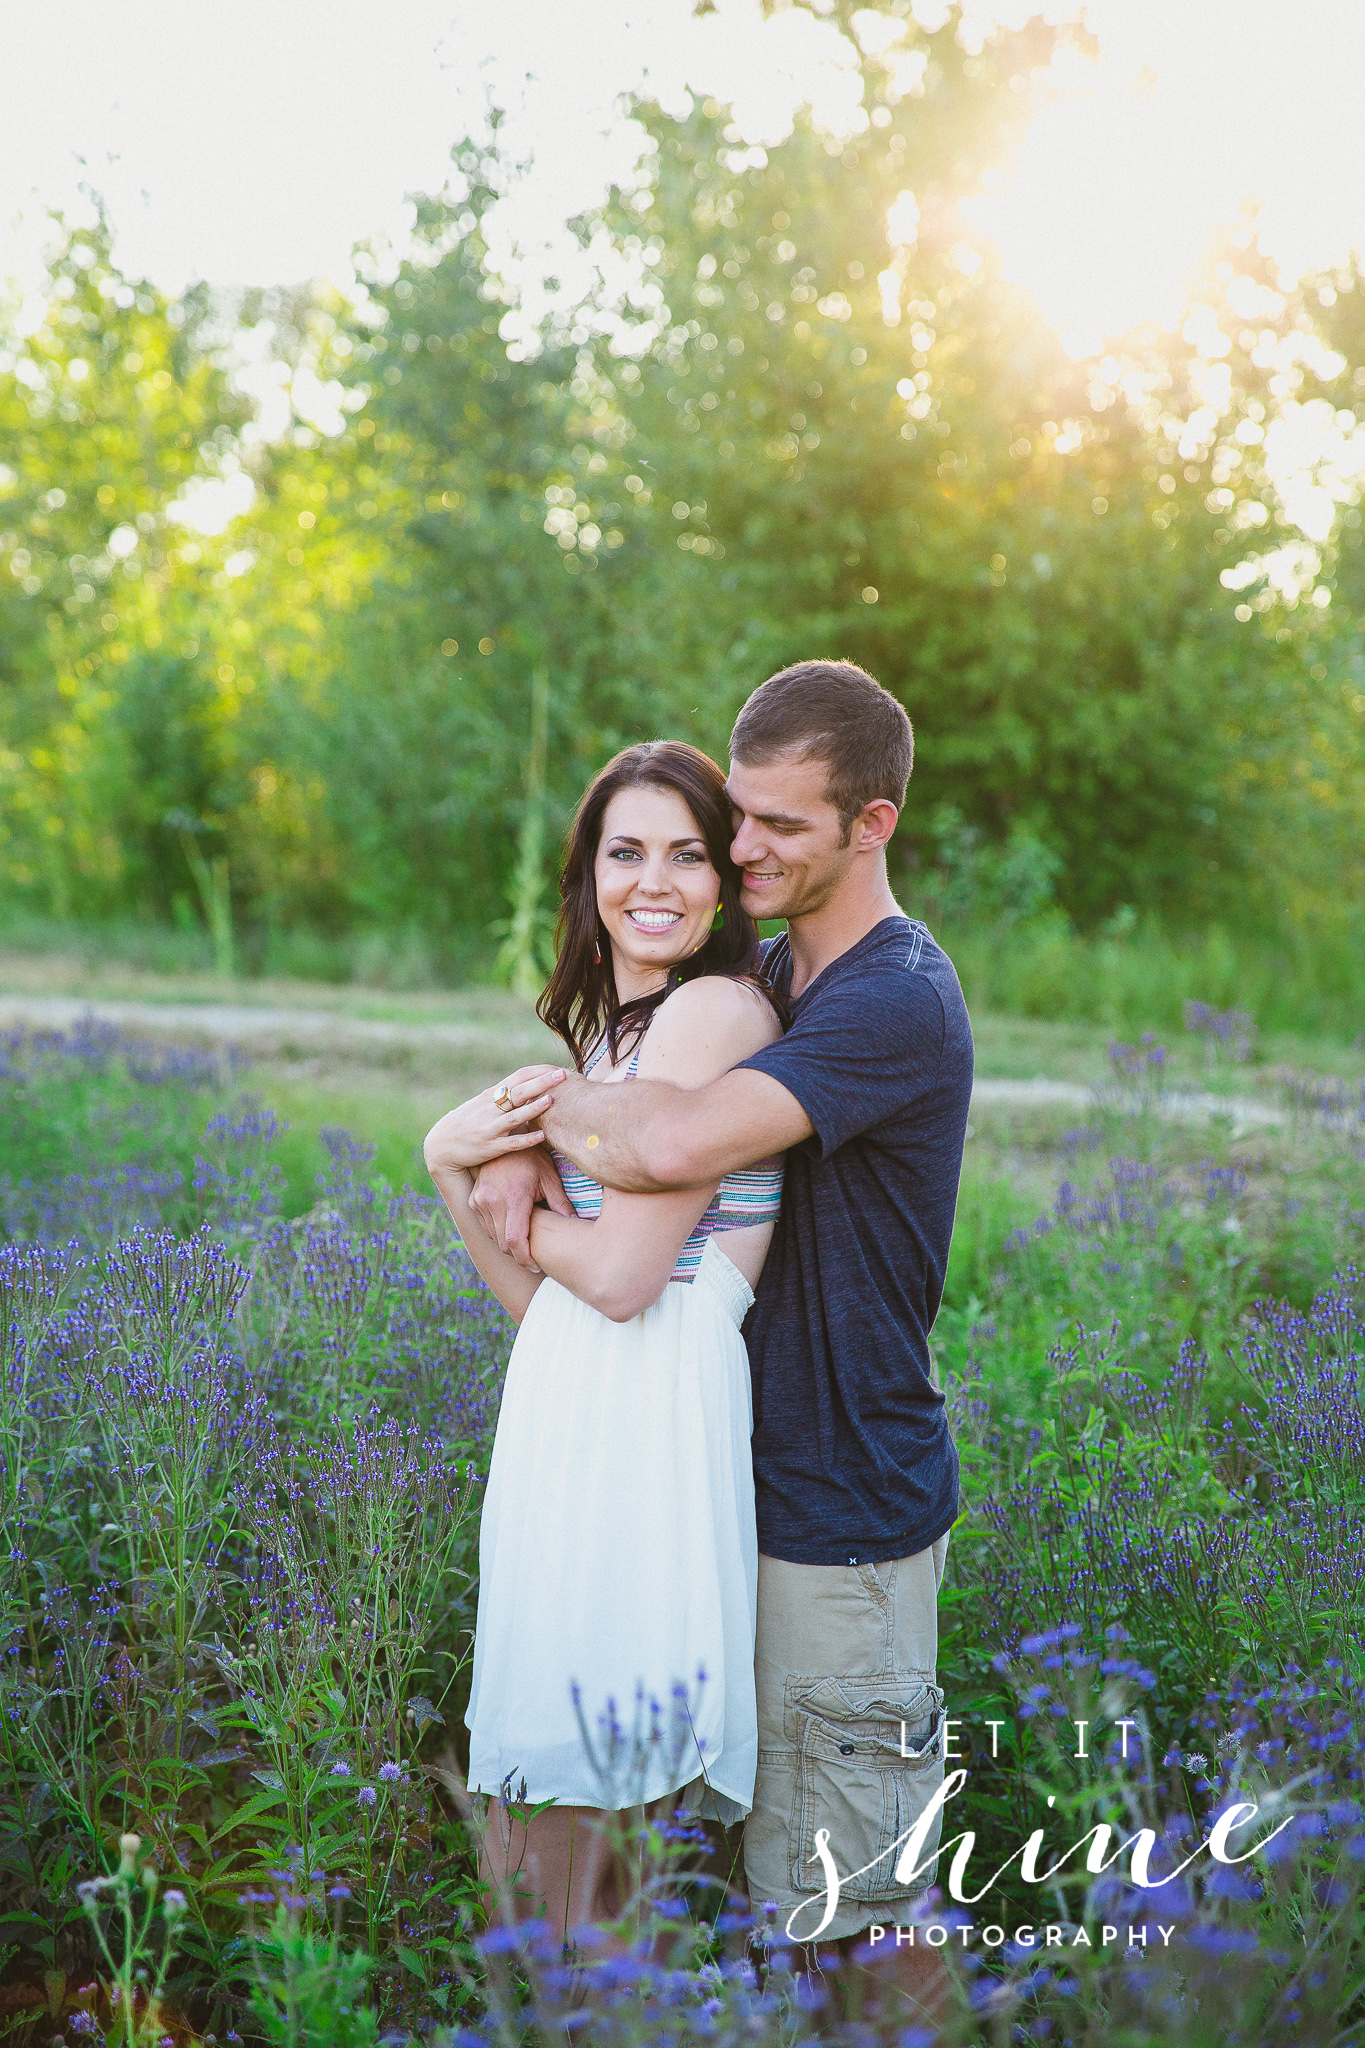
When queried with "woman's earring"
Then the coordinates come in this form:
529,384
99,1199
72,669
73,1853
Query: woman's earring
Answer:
596,952
718,921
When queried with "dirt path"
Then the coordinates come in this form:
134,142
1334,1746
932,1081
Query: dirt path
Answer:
261,1029
281,1032
1184,1105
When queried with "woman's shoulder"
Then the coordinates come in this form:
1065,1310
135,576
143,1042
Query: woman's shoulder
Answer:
709,1023
719,996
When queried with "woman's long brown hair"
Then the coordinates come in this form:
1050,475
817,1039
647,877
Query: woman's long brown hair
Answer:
580,1002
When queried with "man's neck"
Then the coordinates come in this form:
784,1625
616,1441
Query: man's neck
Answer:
822,935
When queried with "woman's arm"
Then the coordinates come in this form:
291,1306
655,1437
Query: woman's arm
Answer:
620,1263
464,1139
512,1284
625,1262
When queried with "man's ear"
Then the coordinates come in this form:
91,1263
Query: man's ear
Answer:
874,825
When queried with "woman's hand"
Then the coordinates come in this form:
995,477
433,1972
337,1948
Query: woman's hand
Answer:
499,1120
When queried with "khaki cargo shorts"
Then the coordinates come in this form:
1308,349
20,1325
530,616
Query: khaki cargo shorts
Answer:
845,1664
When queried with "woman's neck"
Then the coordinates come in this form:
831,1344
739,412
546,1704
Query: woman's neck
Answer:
634,982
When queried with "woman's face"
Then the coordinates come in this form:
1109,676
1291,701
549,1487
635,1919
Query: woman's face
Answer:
656,888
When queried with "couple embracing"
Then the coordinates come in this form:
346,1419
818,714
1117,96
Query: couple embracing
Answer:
747,1181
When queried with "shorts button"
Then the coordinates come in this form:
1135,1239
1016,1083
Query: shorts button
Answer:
845,1749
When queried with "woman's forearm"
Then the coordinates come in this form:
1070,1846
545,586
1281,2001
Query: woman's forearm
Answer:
619,1279
511,1283
569,1249
620,1263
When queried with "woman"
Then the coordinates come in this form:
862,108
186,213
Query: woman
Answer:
613,1656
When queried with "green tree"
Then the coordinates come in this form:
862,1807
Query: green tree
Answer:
819,422
854,445
108,408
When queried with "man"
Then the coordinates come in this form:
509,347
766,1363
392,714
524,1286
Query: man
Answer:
855,1472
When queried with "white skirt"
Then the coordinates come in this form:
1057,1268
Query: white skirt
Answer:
618,1558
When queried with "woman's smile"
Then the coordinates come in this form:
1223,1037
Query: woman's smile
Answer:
656,888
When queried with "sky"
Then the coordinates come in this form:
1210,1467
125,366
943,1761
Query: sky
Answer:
256,143
1193,107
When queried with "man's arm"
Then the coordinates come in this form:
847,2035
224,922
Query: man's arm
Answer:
646,1137
651,1137
506,1191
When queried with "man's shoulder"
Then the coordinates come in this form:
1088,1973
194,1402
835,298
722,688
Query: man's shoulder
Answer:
899,960
928,961
774,959
934,973
903,991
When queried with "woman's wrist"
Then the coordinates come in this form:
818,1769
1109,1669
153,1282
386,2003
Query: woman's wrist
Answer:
458,1180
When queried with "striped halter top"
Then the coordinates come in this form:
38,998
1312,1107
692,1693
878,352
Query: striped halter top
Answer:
753,1195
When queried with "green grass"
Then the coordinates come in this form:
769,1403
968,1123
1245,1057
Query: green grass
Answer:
1058,1434
389,1095
1138,979
1133,975
403,959
90,1124
390,1115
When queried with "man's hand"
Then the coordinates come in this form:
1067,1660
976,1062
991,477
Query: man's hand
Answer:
507,1190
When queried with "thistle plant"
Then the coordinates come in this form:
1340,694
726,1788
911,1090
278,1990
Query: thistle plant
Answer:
359,1541
1328,1106
97,1130
34,1286
1138,1073
308,1986
140,1955
239,1459
235,1182
1231,1031
178,1424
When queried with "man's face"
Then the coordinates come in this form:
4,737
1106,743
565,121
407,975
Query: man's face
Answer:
787,836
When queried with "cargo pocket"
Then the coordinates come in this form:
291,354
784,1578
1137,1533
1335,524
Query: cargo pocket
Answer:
869,1760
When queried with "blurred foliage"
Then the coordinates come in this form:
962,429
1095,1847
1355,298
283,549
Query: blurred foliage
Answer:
792,429
107,410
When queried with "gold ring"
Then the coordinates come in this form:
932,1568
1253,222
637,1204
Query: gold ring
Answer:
503,1100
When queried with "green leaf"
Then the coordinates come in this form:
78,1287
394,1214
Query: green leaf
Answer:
411,1961
259,1804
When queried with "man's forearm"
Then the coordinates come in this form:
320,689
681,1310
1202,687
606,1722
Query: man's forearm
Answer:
626,1136
649,1138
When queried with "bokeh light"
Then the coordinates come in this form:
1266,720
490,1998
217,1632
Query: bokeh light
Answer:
259,156
1152,148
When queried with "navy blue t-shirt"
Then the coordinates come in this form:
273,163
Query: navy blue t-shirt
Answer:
853,1462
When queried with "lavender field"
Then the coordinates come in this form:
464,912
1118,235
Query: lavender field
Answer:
240,1455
